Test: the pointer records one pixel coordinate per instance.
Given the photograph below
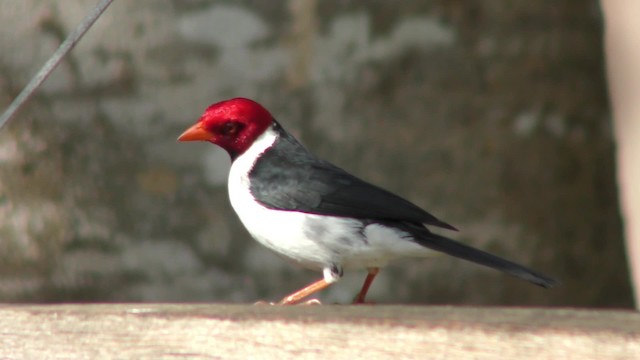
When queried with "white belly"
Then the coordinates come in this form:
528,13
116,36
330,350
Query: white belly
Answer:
318,242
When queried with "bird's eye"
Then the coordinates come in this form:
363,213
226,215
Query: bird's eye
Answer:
231,128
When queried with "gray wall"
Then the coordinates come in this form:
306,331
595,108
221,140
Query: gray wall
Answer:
491,115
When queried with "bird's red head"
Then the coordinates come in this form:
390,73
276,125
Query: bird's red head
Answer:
231,124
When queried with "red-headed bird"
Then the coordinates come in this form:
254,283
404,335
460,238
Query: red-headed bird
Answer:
317,214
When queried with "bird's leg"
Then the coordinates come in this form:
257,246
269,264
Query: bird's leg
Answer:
331,275
297,296
365,287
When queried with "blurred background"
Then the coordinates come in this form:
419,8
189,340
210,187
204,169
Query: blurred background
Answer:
492,115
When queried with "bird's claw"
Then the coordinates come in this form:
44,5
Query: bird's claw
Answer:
308,302
311,302
262,302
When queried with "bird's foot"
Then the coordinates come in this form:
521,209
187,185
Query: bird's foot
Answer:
359,300
311,302
308,302
262,302
363,303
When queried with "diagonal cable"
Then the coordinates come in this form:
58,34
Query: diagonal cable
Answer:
55,59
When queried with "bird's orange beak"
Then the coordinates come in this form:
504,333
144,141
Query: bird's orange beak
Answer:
196,133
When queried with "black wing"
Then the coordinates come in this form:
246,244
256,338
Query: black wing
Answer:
288,177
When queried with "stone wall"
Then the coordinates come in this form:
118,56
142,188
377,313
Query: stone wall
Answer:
491,115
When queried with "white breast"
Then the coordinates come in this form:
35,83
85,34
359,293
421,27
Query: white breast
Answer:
314,241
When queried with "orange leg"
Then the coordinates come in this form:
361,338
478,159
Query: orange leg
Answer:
297,296
365,287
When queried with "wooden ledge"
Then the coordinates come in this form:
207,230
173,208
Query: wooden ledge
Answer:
198,331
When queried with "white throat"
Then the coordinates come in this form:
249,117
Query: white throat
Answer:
244,163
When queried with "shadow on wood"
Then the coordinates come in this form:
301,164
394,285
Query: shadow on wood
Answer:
195,331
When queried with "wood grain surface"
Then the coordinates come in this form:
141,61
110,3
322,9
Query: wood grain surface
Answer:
221,331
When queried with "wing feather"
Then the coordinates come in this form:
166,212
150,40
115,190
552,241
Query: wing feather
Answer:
289,177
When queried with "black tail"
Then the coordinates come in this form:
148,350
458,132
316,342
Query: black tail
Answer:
454,248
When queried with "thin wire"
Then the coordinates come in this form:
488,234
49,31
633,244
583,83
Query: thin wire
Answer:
55,59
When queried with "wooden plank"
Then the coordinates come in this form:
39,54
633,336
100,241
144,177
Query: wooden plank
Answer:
211,331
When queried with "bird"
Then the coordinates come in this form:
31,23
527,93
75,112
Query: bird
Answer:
317,215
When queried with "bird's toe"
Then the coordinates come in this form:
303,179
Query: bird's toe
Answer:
311,302
262,302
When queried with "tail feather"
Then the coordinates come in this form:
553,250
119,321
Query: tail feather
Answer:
459,250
